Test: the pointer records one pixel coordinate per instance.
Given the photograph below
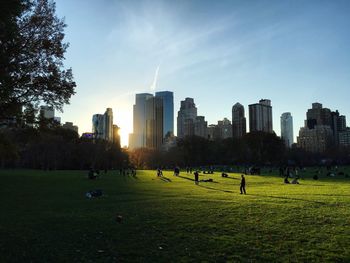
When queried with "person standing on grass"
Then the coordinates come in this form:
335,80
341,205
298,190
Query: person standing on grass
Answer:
242,188
196,177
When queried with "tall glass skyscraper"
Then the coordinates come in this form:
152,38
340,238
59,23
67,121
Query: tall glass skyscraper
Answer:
287,128
168,111
138,138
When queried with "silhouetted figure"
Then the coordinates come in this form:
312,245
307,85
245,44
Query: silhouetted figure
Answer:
286,180
159,172
242,188
224,175
196,177
315,177
281,170
190,170
91,174
176,171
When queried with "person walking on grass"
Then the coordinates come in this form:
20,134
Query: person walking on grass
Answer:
242,188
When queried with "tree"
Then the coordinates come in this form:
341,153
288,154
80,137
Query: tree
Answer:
31,56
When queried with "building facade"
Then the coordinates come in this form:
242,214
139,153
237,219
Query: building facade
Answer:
70,126
225,129
344,138
315,140
154,123
138,138
102,125
168,112
186,117
116,136
323,128
287,129
108,125
47,112
238,121
98,126
260,116
200,127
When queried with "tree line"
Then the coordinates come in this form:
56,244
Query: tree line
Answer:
256,148
52,148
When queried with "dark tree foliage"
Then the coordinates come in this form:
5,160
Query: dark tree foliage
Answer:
31,56
258,148
56,148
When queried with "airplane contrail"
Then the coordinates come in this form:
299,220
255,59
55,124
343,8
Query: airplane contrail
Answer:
154,83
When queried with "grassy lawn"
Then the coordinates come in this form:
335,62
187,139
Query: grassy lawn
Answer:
45,217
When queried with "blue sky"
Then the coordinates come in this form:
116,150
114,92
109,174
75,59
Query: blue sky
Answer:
218,52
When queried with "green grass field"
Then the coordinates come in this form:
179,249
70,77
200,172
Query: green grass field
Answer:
45,217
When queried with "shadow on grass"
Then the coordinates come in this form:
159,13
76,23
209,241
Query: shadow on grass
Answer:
165,179
184,177
228,177
215,189
129,176
291,199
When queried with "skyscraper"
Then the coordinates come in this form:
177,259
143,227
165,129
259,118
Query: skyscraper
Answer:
287,128
116,136
224,129
321,129
108,125
318,115
138,138
260,116
186,117
98,126
168,111
238,121
154,122
102,125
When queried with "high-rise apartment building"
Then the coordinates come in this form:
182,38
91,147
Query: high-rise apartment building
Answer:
138,138
102,125
186,117
168,112
318,115
225,129
200,127
260,116
323,128
154,122
317,139
344,138
287,128
238,121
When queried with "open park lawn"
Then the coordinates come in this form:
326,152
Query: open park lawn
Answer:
46,217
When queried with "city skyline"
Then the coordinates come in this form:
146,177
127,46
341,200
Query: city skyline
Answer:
218,53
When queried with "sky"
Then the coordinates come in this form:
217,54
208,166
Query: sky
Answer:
217,52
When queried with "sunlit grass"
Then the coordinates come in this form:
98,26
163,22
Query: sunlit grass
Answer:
45,216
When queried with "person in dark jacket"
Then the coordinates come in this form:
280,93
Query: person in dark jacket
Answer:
242,188
196,177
